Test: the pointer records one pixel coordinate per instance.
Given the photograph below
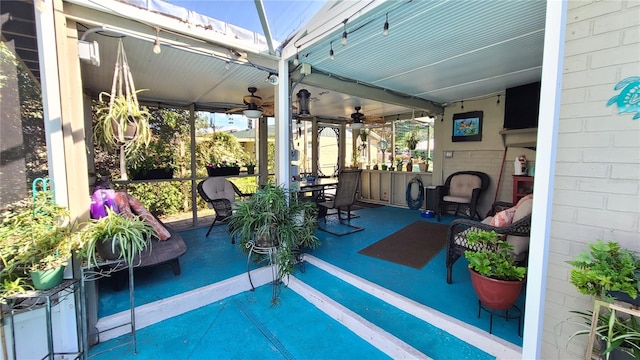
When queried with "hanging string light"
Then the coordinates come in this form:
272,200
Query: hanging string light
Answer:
156,44
385,29
498,102
331,51
343,41
296,60
462,105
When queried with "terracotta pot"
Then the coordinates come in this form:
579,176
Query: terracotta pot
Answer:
496,294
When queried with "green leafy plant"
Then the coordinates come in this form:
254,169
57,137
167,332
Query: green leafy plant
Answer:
412,140
605,267
117,115
34,236
276,215
493,256
128,236
615,332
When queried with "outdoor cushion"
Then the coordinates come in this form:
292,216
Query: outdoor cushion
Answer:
521,243
503,218
129,205
462,186
218,188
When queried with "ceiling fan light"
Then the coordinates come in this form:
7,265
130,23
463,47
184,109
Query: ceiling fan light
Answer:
252,114
357,125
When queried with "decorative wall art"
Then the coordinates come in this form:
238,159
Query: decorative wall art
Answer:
467,126
628,101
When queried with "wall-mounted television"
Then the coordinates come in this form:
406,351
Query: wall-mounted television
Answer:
521,106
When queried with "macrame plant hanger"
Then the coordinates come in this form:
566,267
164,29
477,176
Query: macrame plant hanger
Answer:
125,132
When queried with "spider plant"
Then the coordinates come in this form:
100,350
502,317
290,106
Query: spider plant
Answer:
126,237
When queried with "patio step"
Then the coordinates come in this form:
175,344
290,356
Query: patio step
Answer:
422,329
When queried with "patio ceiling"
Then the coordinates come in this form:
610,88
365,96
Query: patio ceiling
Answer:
436,53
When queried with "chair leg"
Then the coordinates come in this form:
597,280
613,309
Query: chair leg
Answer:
211,227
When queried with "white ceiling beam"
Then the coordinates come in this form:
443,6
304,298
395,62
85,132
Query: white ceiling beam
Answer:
359,89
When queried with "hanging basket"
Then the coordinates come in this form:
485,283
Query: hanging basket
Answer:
123,123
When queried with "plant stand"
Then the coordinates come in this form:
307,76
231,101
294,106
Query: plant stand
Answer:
51,297
270,251
103,270
513,312
597,305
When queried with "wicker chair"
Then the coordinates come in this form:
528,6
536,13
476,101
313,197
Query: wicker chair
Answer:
517,233
220,194
348,181
461,193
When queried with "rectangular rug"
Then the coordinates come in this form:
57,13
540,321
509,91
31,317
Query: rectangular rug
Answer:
413,246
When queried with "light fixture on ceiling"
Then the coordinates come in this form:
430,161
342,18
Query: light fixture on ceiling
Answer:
252,113
303,102
156,43
385,29
343,41
462,105
498,102
357,119
331,51
227,66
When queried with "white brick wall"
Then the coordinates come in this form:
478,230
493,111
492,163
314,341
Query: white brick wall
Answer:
597,184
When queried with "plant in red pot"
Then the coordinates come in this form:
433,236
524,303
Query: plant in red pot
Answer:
496,277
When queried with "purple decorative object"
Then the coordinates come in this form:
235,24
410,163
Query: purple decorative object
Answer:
100,200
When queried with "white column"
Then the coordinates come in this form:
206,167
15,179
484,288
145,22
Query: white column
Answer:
551,91
283,127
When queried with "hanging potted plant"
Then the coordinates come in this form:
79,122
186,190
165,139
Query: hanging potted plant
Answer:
121,121
495,276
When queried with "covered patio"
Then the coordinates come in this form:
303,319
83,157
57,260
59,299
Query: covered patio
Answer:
393,60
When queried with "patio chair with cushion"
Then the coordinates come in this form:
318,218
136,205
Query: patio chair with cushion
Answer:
461,192
512,221
220,194
341,202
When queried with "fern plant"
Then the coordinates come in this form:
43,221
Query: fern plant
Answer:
605,267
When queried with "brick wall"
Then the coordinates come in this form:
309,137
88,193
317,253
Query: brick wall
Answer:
597,183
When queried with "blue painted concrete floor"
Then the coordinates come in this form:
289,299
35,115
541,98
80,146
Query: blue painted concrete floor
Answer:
248,326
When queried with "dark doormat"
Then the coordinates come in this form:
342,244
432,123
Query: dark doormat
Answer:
413,246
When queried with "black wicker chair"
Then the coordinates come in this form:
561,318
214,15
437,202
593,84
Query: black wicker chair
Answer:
220,194
461,193
458,229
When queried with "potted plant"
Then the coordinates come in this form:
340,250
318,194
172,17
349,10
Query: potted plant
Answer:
495,276
223,168
274,217
618,335
114,237
412,140
607,271
36,242
156,163
250,163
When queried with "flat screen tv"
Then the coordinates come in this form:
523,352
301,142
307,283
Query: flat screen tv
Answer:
521,106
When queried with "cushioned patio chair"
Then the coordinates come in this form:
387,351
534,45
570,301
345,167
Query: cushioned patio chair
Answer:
341,202
220,194
512,221
460,193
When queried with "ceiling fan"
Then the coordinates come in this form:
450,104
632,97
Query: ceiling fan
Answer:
358,119
255,106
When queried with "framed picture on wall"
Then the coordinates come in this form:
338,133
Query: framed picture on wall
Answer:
467,126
